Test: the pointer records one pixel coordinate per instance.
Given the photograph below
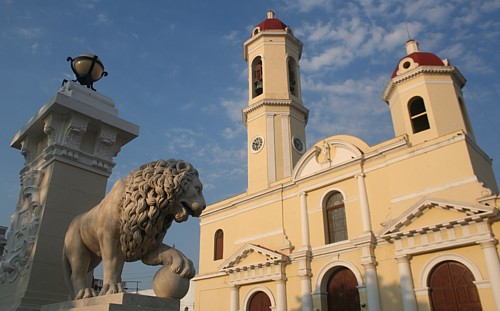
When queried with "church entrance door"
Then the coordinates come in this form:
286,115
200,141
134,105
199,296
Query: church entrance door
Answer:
259,302
343,293
452,288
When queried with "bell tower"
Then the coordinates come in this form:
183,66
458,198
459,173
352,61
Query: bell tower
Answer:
275,117
425,97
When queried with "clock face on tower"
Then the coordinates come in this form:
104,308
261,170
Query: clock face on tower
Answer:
298,144
257,144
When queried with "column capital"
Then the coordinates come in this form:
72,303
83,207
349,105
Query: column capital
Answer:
360,175
403,258
488,243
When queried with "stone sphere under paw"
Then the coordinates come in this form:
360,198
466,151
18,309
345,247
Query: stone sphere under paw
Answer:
167,284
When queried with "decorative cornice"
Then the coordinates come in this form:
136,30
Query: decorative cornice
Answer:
434,70
473,214
275,103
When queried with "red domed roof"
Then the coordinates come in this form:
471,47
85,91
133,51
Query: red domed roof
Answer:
271,23
420,58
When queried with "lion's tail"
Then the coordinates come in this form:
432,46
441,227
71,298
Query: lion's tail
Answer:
67,273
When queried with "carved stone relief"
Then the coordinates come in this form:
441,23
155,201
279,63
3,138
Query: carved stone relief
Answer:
24,228
76,129
105,143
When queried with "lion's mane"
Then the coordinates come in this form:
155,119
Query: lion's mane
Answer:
148,204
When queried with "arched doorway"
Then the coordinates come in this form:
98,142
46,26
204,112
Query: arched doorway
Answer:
259,302
342,289
451,287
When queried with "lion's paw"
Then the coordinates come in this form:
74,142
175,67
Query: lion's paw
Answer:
111,288
85,293
178,262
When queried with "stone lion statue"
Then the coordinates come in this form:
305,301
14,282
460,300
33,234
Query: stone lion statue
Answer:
129,225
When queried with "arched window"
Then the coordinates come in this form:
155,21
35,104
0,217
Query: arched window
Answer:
336,226
257,77
292,76
218,244
418,115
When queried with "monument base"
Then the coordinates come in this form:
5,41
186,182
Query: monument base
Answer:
117,302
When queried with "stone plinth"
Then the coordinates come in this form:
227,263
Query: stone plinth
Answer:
68,147
117,302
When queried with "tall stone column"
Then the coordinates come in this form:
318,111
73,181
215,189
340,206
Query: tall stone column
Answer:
304,220
281,295
68,148
493,267
305,260
305,286
235,298
372,287
365,208
406,283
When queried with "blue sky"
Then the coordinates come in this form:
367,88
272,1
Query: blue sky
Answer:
176,69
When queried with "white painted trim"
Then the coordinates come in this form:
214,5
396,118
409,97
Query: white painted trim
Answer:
326,270
271,161
207,276
435,188
329,190
287,141
252,291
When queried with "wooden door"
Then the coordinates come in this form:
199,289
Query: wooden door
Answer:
343,293
259,302
452,288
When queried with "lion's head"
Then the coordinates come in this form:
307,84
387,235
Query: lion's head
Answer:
156,194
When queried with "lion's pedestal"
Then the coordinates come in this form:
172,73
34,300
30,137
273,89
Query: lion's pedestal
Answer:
68,147
117,302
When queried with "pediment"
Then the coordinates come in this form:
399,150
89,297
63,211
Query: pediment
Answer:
250,256
431,215
332,152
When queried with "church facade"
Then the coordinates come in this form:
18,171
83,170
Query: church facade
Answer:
408,224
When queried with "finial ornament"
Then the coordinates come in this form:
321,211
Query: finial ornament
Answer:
407,31
88,69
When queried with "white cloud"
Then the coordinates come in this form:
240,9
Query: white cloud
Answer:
233,106
349,107
180,138
336,56
28,32
34,48
308,5
489,5
103,19
233,37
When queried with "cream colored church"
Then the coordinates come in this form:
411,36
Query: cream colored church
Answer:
408,224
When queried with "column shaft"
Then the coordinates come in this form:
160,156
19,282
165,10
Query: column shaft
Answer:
372,287
304,221
305,284
281,293
235,297
406,283
493,267
365,209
